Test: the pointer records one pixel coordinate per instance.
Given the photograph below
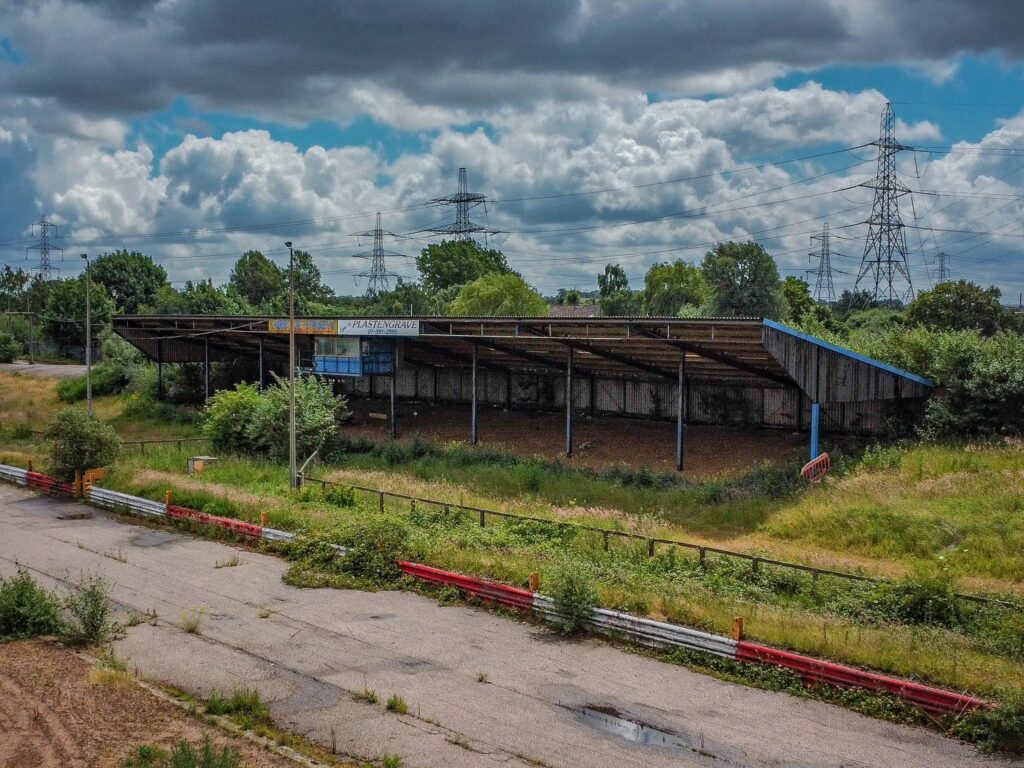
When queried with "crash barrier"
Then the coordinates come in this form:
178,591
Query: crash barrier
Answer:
647,632
249,530
813,671
816,469
490,591
649,543
40,482
622,626
14,475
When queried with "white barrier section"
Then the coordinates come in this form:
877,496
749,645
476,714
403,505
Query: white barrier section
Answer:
14,475
108,499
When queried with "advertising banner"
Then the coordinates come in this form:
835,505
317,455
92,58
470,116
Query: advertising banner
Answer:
378,327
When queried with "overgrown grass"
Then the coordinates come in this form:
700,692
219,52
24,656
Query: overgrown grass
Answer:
184,754
245,706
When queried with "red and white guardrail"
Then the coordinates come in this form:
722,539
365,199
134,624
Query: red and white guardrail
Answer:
647,632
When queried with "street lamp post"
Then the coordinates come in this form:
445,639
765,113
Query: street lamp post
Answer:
293,473
88,336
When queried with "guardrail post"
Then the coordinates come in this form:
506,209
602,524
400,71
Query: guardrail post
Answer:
535,582
30,465
264,519
167,499
737,628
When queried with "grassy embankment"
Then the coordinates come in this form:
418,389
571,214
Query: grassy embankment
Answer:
914,631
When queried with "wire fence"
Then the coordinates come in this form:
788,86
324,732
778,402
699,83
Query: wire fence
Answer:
651,543
141,444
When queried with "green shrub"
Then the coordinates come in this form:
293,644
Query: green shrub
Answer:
1000,729
575,598
228,417
340,495
80,441
27,610
89,606
10,348
245,706
318,413
918,600
397,704
373,547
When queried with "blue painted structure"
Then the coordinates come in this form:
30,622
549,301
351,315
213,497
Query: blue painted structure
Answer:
815,429
353,356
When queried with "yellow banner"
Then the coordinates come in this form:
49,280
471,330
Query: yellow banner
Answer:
305,325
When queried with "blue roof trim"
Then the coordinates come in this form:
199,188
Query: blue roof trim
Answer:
847,352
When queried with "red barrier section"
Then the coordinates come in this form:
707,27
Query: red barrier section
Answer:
933,700
814,470
235,526
486,590
41,482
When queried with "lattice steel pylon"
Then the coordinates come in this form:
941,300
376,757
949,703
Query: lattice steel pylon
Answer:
885,248
45,247
824,289
462,228
378,274
943,266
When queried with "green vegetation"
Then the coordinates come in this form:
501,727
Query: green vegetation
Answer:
89,607
245,706
27,610
246,420
184,755
10,348
575,597
397,704
79,441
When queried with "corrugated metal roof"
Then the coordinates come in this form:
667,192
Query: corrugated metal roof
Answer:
714,350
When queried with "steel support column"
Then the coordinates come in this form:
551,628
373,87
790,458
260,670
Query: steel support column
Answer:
815,427
568,402
392,416
681,408
262,381
206,368
472,415
159,369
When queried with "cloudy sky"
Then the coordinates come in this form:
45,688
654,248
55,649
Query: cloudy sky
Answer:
599,130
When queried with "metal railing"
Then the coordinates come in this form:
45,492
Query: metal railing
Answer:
607,534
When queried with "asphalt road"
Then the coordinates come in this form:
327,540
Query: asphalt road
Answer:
313,649
47,370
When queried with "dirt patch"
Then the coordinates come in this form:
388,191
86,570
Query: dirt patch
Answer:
599,442
55,714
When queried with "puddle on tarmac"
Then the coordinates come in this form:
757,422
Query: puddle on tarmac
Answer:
154,538
611,720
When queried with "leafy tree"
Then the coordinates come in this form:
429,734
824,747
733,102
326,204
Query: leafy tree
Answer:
80,441
257,279
501,295
615,297
318,412
959,305
409,298
798,298
457,262
745,281
131,278
612,281
309,286
166,300
668,288
64,319
228,416
204,298
572,298
853,301
13,283
10,348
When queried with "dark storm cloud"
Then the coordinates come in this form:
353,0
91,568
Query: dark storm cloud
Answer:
131,56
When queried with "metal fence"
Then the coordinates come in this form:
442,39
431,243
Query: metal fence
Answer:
650,543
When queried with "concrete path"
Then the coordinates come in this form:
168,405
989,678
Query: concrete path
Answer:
45,370
545,701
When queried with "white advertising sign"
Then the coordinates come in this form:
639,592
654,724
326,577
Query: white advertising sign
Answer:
378,327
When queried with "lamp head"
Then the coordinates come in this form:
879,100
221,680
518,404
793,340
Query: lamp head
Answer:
288,244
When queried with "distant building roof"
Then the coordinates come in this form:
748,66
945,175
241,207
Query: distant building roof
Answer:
575,310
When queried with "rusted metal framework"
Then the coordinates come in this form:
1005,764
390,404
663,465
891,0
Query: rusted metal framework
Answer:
710,370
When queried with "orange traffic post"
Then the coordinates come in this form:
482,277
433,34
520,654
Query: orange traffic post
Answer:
737,628
264,519
535,582
167,498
